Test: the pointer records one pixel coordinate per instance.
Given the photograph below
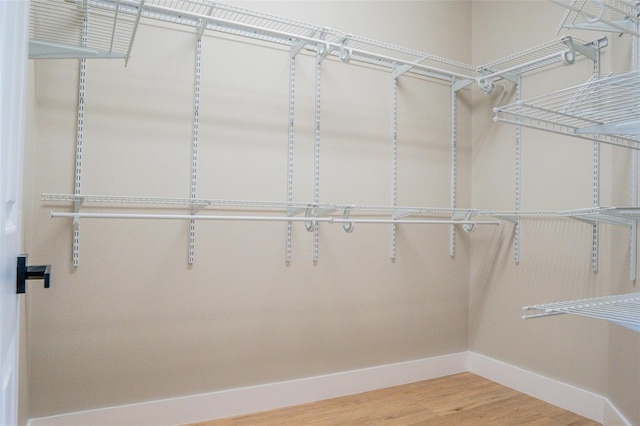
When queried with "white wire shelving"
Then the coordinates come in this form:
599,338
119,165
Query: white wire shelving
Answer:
268,211
112,25
60,29
623,309
108,27
604,109
563,50
618,16
341,213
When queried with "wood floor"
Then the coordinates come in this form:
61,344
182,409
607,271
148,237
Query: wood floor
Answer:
461,399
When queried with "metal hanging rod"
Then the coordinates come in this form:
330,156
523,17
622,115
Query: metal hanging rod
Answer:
327,219
623,216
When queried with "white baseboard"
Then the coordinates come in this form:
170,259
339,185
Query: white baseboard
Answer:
579,401
234,402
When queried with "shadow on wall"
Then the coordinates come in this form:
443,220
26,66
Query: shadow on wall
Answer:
555,265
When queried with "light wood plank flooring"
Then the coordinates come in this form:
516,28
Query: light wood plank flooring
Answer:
460,399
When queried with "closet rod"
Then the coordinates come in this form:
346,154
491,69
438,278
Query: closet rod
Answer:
328,219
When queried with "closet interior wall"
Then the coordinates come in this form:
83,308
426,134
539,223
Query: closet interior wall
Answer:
286,320
556,174
136,322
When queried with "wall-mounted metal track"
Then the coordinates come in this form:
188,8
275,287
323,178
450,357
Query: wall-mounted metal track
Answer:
194,147
394,158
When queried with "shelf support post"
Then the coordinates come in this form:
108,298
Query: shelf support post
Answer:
292,90
316,148
394,157
518,172
82,85
596,180
454,136
194,145
633,261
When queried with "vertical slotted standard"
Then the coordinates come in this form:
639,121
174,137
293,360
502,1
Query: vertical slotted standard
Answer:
454,164
194,147
79,141
316,150
292,93
596,182
394,159
634,175
516,243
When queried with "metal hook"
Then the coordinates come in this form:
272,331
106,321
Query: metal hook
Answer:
309,225
348,227
468,227
345,53
486,85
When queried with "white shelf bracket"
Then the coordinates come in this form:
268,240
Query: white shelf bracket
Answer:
460,84
399,214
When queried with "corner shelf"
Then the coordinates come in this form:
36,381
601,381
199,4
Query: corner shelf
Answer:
619,16
623,309
563,50
601,110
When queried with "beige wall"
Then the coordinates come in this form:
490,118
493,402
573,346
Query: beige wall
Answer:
134,322
555,254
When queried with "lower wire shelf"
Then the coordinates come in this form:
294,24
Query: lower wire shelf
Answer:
623,309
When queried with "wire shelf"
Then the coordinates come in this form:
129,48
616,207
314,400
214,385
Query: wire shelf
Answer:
79,29
612,215
206,15
603,109
621,309
112,25
619,16
536,57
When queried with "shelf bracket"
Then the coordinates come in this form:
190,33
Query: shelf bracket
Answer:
461,84
398,70
399,214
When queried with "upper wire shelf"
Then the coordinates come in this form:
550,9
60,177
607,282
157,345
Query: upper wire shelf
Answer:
619,16
112,25
603,109
623,309
79,29
564,50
